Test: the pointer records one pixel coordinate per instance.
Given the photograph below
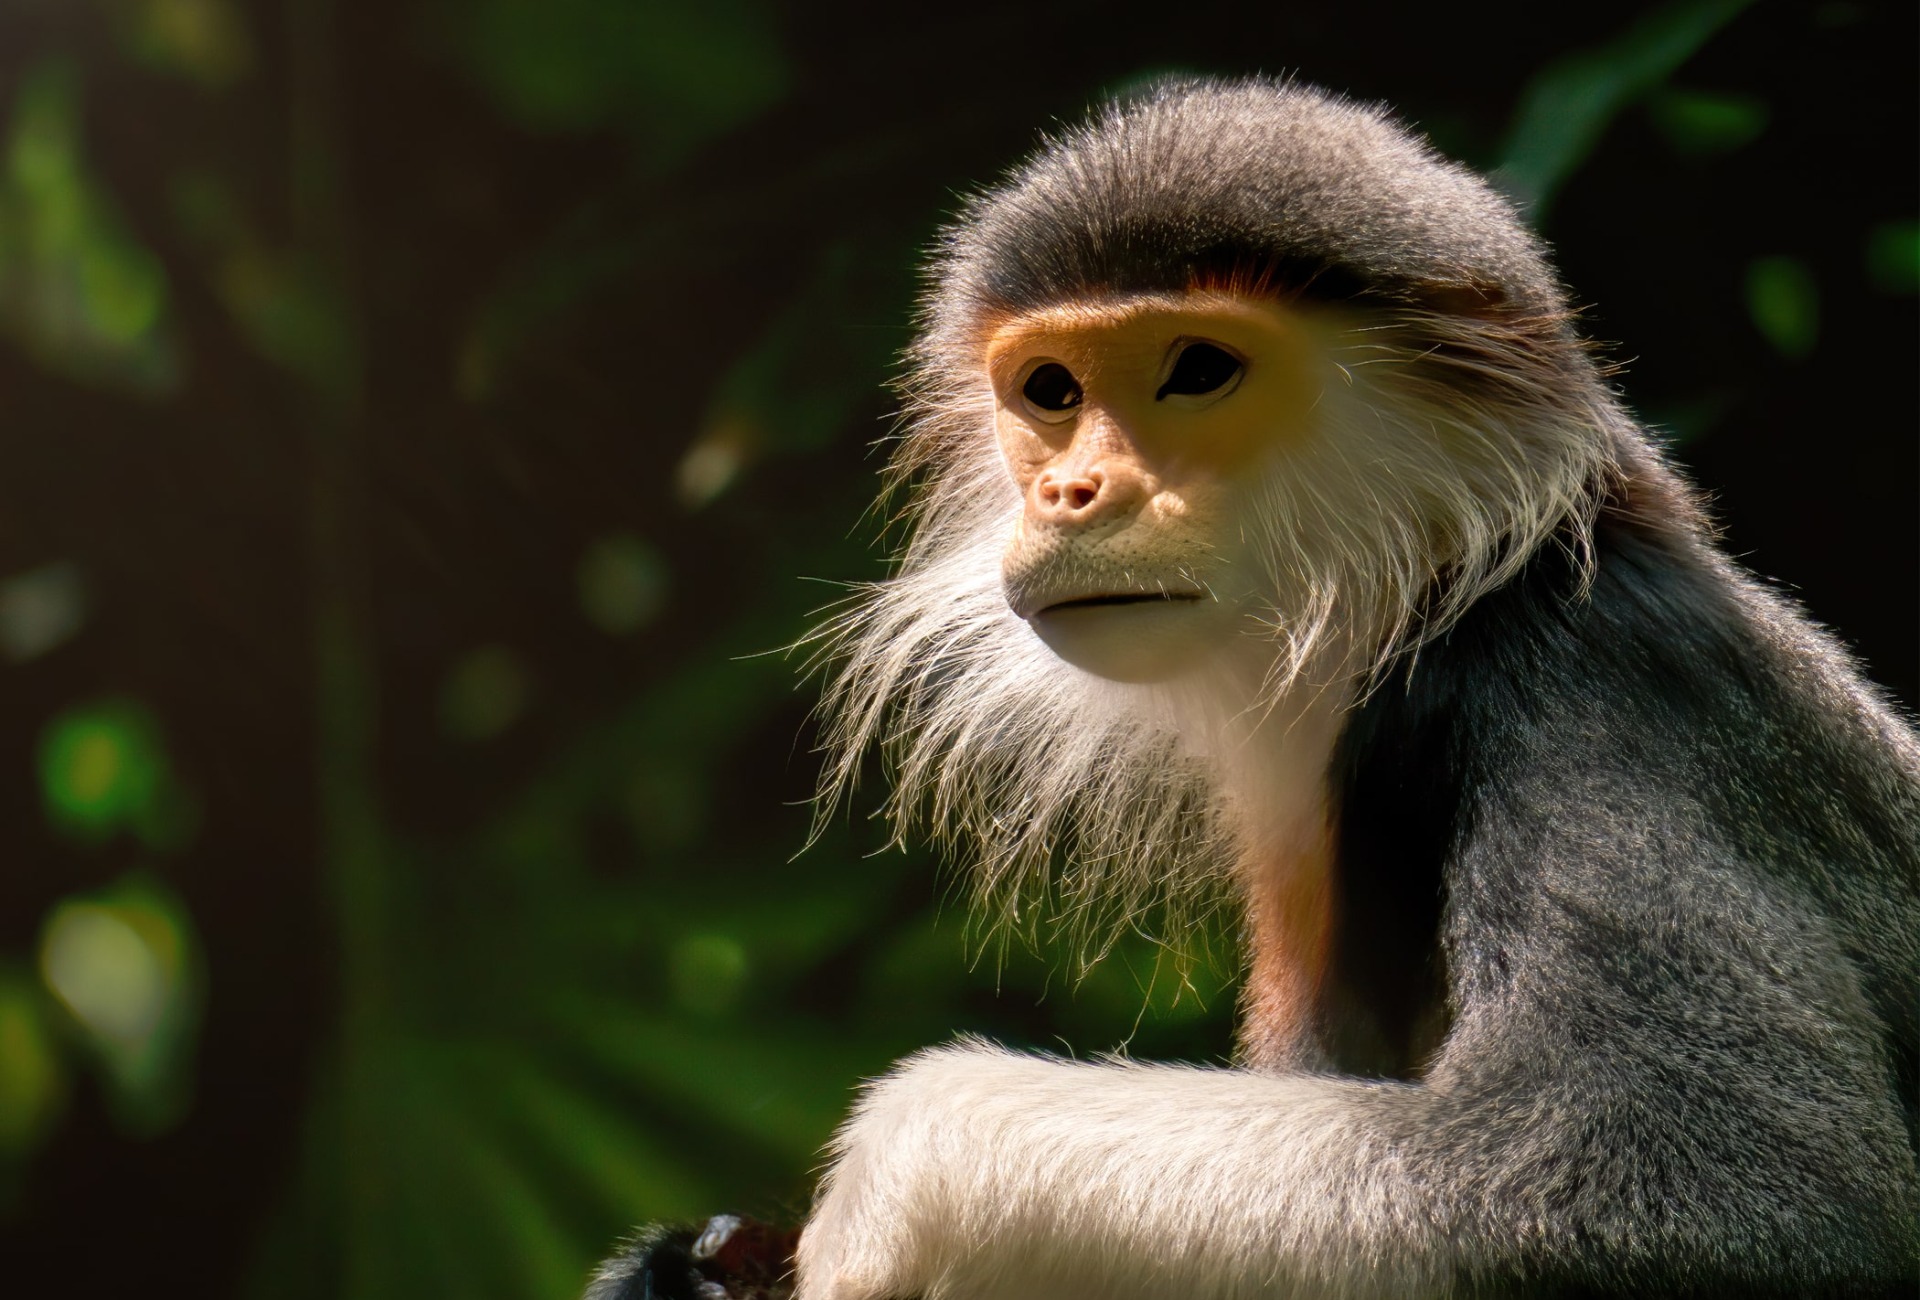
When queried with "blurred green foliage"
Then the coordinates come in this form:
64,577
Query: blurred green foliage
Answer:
33,1082
1784,297
76,288
623,584
424,418
672,75
204,41
1893,257
1570,102
103,769
125,965
1700,122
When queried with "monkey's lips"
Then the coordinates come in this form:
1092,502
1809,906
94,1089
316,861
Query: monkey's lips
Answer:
1122,635
1067,586
1113,599
1031,605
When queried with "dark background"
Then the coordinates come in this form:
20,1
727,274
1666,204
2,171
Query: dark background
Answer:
424,423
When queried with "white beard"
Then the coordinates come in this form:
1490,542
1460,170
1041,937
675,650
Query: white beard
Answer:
1082,804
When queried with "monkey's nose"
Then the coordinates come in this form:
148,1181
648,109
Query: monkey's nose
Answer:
1069,494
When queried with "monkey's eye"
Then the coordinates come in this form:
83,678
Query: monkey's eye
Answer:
1052,391
1201,370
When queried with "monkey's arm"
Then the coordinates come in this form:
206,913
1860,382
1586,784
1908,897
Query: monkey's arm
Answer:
972,1171
1658,1146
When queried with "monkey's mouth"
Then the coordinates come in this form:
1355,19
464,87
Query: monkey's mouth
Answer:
1121,598
1035,591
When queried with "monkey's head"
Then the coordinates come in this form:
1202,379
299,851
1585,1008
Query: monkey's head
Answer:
1132,427
1225,400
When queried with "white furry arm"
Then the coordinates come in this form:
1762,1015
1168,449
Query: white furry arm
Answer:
970,1171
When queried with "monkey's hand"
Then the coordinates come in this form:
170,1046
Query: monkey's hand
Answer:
729,1258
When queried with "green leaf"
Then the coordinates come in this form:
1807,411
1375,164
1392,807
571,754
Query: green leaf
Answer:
782,1088
126,965
674,73
78,291
1783,298
1705,122
484,693
203,41
1893,257
622,583
102,766
1568,105
33,1078
588,1142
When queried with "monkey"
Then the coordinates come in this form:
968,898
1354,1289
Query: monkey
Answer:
1276,541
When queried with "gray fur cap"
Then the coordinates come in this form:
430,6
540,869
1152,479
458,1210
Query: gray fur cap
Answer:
1256,182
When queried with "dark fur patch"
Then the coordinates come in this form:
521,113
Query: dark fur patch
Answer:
1646,839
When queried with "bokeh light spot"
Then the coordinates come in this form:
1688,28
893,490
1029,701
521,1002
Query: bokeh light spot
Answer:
77,289
483,694
123,288
41,155
124,964
714,461
708,973
674,72
1893,257
32,1078
105,971
667,806
1784,300
623,584
41,610
205,41
101,767
1704,122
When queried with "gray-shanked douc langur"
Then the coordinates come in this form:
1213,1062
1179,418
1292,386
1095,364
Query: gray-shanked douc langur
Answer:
1276,533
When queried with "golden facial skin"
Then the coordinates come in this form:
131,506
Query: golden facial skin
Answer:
1133,429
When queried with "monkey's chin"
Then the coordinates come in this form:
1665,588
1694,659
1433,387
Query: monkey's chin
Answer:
1136,641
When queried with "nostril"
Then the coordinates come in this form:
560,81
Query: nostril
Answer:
1070,492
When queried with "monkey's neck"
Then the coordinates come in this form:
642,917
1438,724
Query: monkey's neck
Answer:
1289,925
1275,774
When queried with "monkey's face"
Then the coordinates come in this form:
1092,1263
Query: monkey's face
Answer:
1133,429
